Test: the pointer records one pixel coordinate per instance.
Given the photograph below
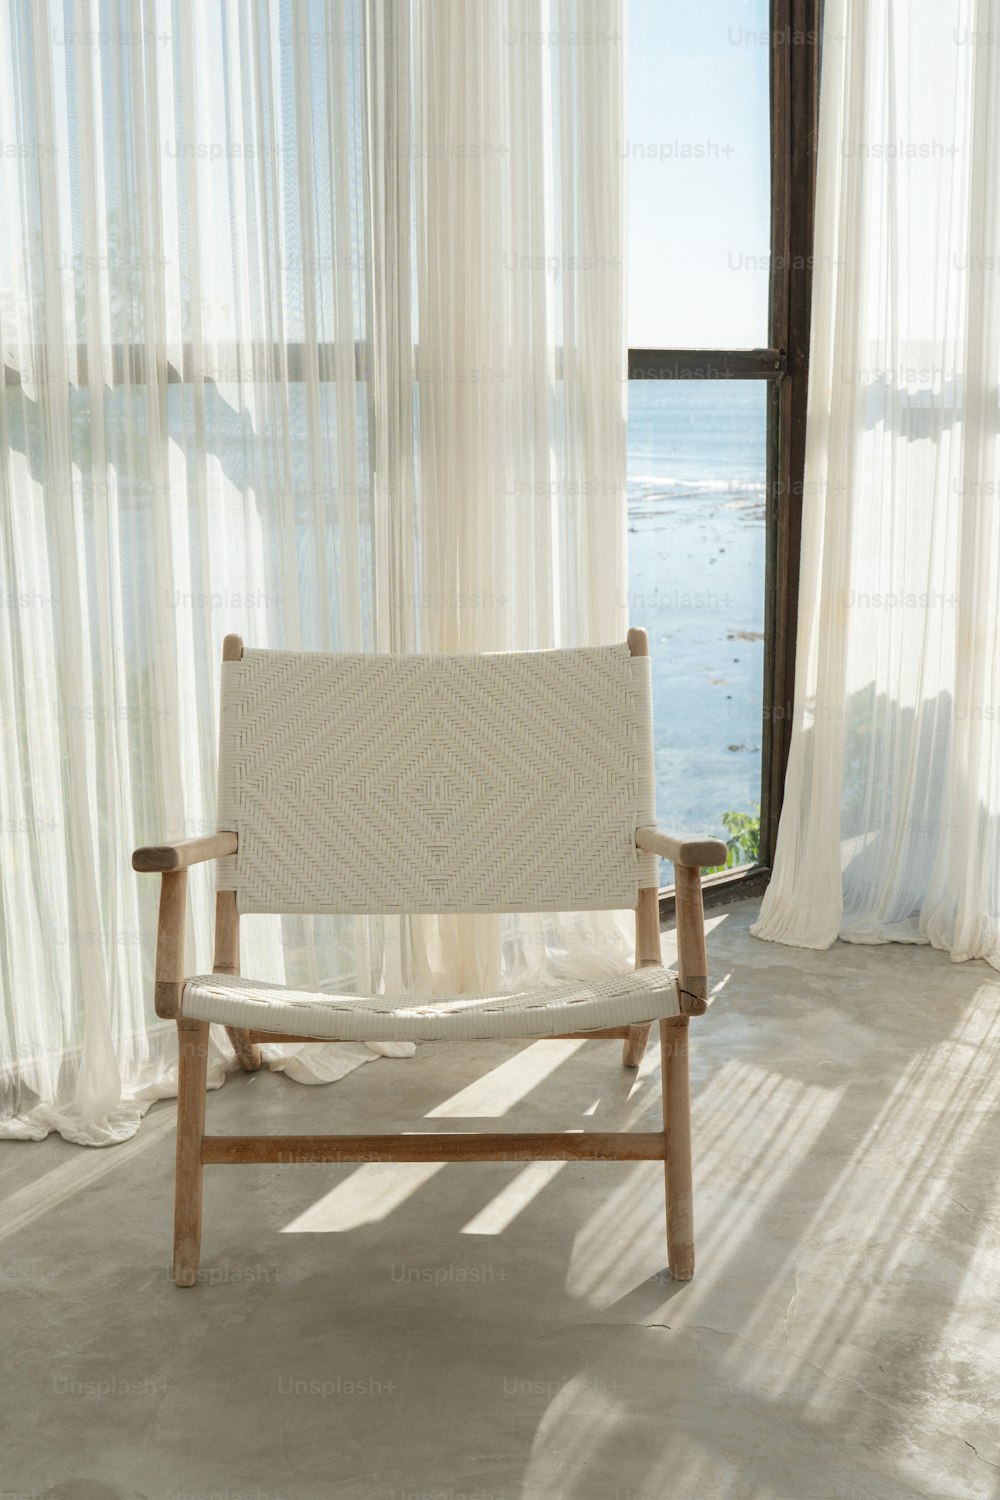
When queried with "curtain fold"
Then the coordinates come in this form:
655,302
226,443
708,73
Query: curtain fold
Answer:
890,828
312,323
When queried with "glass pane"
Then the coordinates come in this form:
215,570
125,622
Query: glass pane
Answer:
696,491
698,156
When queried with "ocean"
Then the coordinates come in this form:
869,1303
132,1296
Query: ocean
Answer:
696,496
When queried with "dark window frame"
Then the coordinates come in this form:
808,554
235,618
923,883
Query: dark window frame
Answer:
796,31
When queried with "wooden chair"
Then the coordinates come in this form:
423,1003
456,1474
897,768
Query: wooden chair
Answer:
364,784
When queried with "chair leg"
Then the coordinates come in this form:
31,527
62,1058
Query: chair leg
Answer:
192,1045
247,1052
677,1126
635,1045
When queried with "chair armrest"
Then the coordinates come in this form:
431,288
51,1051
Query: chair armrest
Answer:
177,856
693,852
687,856
171,862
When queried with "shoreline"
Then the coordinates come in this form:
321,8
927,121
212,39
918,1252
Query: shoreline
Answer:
696,583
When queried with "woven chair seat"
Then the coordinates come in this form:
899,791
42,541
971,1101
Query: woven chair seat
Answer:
574,1005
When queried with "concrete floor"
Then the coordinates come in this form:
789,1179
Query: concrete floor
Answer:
495,1332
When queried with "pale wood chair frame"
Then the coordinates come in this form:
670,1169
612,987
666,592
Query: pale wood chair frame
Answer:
195,1149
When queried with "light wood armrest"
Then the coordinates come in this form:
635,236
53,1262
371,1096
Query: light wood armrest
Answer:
687,856
159,858
693,852
169,985
171,862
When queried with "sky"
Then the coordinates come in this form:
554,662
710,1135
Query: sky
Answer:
698,154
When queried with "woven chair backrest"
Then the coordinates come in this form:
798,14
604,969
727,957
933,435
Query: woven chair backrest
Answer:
488,783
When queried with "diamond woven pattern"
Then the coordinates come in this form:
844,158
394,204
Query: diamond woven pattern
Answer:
370,783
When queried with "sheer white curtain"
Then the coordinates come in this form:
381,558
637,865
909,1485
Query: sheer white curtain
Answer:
312,328
890,829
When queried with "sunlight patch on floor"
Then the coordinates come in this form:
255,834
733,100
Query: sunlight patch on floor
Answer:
76,1174
507,1084
745,1119
371,1193
514,1198
585,1408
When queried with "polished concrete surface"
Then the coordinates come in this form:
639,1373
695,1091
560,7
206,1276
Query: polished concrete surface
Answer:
507,1332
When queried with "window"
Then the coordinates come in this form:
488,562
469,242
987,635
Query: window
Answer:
699,166
722,102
